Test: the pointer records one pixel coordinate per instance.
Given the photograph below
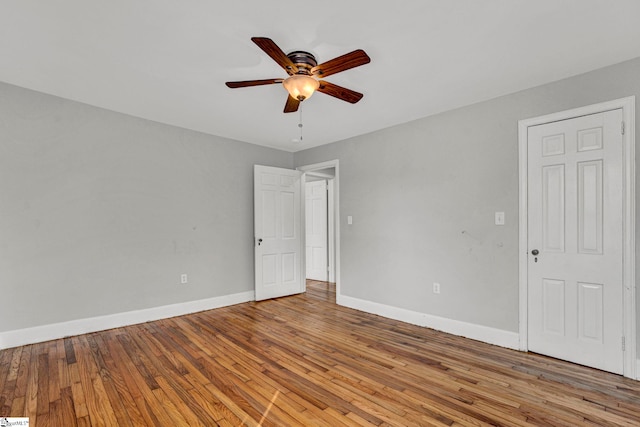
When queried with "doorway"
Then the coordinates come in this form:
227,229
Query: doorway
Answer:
279,228
577,299
327,172
316,229
319,225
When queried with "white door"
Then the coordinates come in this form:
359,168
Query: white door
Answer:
575,283
316,230
277,229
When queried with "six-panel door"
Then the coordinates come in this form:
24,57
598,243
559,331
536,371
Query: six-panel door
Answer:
575,287
277,229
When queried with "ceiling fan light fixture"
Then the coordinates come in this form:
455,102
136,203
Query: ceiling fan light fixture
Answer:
305,74
301,86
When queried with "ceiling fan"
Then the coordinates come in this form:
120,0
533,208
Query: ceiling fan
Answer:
304,74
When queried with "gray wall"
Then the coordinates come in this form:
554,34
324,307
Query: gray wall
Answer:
423,196
101,212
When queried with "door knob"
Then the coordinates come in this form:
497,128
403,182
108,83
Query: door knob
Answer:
259,241
535,252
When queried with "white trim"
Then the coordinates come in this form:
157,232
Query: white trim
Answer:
331,227
638,369
336,214
93,324
485,334
303,232
315,174
629,255
523,236
629,231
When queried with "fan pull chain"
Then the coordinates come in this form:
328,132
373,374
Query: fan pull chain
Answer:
300,124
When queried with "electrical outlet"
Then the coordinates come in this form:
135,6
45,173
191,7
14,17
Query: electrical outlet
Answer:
184,279
436,287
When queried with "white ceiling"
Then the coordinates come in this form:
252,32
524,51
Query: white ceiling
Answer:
168,60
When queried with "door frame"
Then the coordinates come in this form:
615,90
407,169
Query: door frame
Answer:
333,199
628,212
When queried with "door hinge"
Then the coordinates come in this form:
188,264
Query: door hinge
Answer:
623,344
622,128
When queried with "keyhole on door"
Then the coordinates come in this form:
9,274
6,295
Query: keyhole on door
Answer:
535,253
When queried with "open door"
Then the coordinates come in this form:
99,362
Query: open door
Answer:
279,266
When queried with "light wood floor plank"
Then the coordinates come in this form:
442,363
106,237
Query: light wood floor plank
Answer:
300,361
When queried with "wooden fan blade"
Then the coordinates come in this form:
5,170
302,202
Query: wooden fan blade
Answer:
291,105
247,83
340,92
341,63
272,49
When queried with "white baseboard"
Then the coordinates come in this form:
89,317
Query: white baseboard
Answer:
486,334
83,326
638,369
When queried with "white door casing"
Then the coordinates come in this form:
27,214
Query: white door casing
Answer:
577,295
316,230
331,229
278,242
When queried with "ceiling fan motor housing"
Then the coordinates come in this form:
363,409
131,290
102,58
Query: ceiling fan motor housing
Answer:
303,60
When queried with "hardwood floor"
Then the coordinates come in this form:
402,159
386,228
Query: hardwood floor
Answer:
300,360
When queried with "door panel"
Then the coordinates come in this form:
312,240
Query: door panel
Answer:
590,315
590,207
575,289
553,218
277,228
553,306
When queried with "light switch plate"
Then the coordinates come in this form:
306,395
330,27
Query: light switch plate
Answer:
499,218
349,220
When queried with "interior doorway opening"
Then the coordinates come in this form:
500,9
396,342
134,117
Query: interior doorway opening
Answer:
319,242
314,176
